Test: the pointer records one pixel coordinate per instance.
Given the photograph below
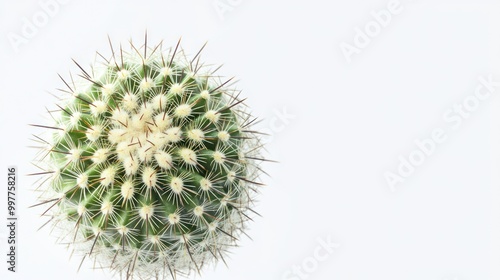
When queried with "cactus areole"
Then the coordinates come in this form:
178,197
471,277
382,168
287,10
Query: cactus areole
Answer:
152,163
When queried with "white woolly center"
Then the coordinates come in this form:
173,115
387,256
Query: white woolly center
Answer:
159,102
125,149
145,114
116,135
163,159
173,134
61,133
96,230
162,121
177,89
223,136
212,116
141,135
137,125
183,110
155,239
205,184
218,157
131,165
158,139
120,117
213,226
205,94
94,132
108,176
81,209
177,185
127,190
198,211
149,177
98,107
123,74
100,156
188,156
82,180
145,153
108,89
165,71
241,156
231,176
106,208
196,135
174,218
74,119
146,84
123,230
74,155
146,211
224,200
129,102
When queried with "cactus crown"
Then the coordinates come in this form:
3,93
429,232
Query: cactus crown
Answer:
152,163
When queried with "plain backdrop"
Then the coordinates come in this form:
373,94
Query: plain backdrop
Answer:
347,124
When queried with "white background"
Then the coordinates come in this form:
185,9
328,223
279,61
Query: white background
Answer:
351,123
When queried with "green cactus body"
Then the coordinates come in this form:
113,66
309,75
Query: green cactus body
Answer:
152,164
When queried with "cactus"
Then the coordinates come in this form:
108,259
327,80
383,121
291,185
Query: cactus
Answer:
152,163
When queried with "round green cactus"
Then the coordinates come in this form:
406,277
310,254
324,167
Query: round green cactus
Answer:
152,161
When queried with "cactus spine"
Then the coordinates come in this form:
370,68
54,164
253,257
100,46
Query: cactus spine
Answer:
152,164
